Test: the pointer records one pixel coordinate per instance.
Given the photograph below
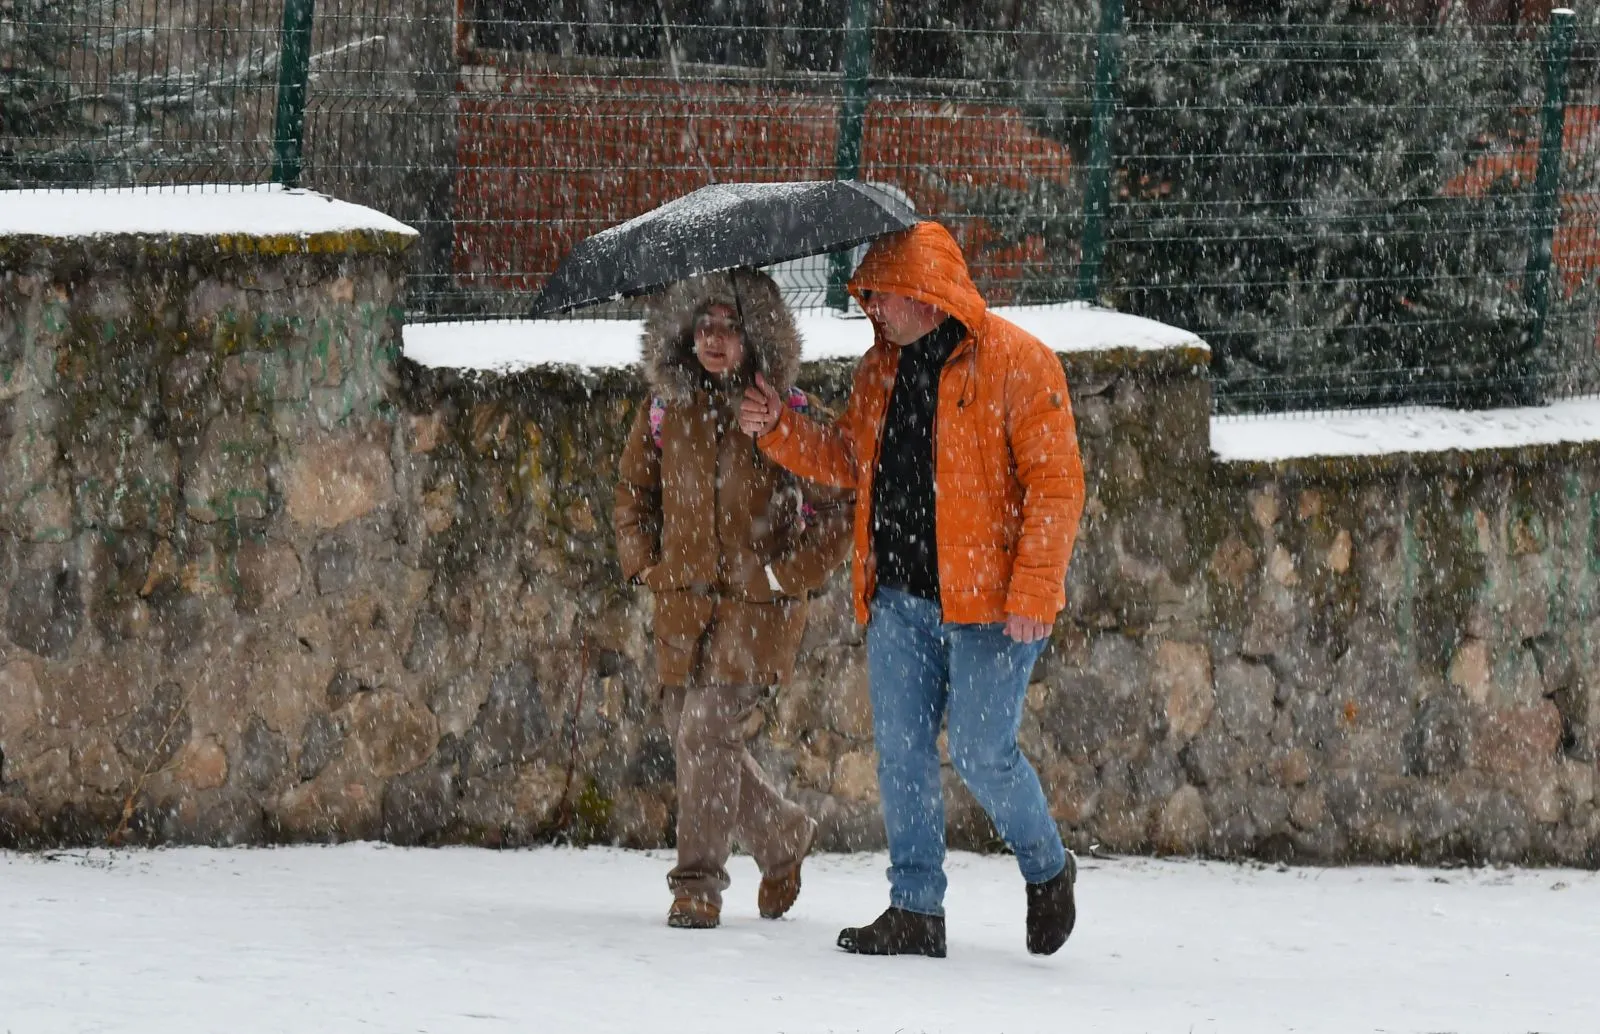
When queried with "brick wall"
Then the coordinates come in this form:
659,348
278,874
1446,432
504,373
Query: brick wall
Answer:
545,160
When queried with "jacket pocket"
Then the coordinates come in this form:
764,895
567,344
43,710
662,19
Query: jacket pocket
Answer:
682,617
681,620
755,642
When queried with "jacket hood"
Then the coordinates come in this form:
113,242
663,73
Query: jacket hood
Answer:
924,263
771,341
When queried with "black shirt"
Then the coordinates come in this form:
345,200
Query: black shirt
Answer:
903,501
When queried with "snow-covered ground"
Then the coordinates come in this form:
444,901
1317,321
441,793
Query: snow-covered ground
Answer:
365,937
511,345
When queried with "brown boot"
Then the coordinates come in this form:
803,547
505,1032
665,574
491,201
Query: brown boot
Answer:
689,913
896,932
779,889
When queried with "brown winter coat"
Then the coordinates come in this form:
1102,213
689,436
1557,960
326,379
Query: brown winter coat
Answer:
700,511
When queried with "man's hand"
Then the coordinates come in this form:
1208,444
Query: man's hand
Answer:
760,410
1025,630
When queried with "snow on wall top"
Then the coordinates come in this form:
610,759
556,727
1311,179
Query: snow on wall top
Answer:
506,346
1419,429
266,209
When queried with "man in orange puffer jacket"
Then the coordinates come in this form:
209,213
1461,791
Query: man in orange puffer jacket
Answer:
960,445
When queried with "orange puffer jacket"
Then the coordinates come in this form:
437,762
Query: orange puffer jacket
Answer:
1006,465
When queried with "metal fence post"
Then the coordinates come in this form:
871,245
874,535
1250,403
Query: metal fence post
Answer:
1097,197
1547,181
294,64
852,118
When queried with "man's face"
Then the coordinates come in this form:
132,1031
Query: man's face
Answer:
903,320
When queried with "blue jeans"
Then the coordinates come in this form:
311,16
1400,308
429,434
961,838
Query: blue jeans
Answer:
920,666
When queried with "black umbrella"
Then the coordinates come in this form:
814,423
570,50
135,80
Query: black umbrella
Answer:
721,227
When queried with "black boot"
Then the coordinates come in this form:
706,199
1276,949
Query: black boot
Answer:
1052,911
896,932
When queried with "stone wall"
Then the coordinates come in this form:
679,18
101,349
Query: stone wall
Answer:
195,439
1402,661
262,581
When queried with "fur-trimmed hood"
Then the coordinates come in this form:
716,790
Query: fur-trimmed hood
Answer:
771,341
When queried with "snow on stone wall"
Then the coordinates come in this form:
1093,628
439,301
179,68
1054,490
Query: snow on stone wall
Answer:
263,580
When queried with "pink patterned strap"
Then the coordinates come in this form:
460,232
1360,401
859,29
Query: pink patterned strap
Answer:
658,413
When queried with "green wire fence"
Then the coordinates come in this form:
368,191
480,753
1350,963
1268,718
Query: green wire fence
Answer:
1355,205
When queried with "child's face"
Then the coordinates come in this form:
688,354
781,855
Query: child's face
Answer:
718,339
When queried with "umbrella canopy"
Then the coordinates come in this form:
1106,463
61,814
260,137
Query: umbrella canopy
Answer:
722,226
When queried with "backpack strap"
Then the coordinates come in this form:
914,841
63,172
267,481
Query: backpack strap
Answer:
658,414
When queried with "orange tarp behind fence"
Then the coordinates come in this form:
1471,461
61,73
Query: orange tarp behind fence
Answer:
1575,249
